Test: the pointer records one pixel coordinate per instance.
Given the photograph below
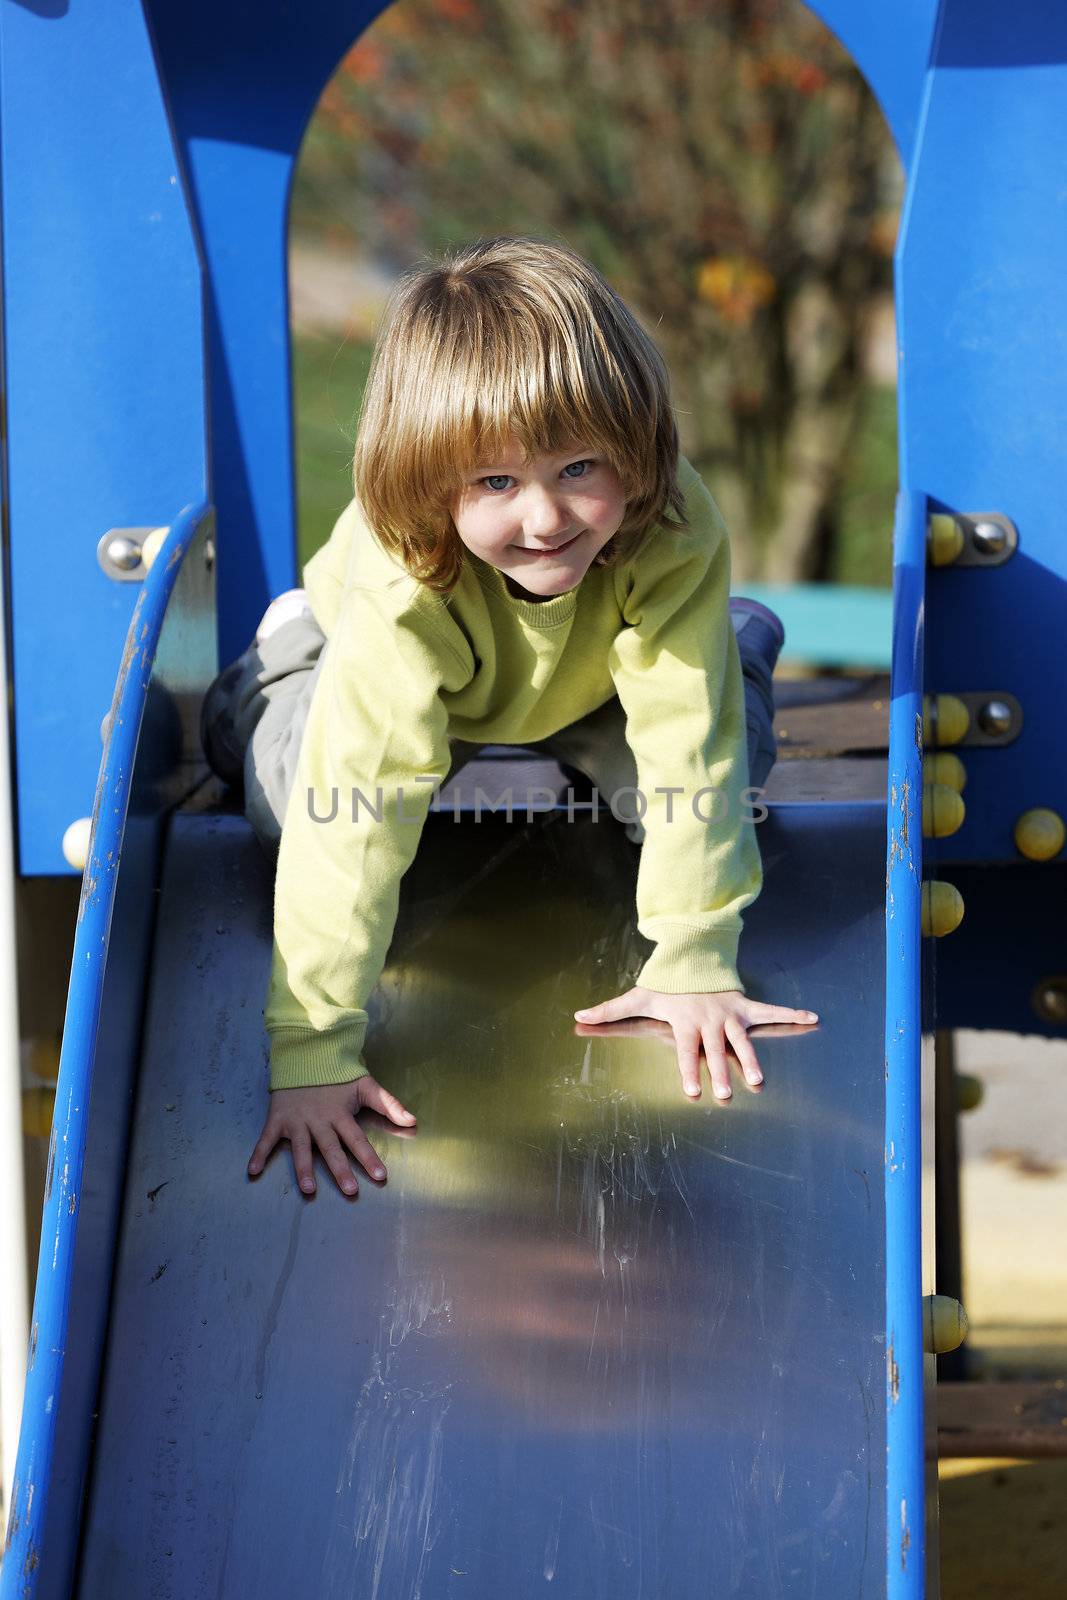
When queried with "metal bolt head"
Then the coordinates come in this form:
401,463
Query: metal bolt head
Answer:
123,553
988,538
1050,1000
209,553
995,717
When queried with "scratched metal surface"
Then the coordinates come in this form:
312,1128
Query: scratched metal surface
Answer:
589,1339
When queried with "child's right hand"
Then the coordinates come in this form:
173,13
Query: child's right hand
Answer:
326,1114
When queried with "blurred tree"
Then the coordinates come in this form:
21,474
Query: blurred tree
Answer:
722,162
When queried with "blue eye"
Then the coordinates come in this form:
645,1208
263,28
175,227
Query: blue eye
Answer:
497,482
578,469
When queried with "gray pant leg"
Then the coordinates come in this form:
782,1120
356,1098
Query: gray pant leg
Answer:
596,745
268,709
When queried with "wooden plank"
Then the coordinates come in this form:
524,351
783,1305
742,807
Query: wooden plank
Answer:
1020,1420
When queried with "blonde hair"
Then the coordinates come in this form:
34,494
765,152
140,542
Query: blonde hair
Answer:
509,337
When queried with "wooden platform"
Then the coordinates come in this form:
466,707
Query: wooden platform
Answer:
1021,1421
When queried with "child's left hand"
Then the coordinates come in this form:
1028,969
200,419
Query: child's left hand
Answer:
696,1018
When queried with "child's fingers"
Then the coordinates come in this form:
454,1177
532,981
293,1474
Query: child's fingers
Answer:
300,1144
688,1046
361,1148
264,1145
757,1011
746,1055
373,1122
717,1064
336,1160
387,1104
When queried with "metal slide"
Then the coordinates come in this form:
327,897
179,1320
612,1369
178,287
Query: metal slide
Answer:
589,1338
588,1334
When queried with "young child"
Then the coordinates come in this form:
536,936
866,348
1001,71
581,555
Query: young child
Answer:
528,561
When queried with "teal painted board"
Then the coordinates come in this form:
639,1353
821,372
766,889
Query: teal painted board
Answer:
831,625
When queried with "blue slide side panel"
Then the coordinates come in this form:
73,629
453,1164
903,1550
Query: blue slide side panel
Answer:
50,1330
103,374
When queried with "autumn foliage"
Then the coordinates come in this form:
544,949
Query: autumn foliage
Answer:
723,163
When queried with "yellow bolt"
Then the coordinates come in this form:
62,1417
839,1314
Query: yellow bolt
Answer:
37,1108
76,842
153,544
943,811
942,908
945,720
943,767
1039,834
944,1324
944,539
970,1091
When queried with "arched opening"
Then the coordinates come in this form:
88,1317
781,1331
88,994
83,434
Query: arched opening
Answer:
726,166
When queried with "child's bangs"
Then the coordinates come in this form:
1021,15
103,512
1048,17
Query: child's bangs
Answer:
538,395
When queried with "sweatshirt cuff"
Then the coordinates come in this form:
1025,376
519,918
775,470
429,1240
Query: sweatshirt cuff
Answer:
691,961
305,1057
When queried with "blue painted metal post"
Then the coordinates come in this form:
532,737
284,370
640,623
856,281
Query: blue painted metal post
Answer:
905,1484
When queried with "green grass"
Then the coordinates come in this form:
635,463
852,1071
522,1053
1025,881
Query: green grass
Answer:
328,380
863,551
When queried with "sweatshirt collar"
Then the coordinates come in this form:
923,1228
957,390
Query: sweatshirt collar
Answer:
539,613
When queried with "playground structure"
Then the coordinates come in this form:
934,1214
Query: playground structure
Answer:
586,1336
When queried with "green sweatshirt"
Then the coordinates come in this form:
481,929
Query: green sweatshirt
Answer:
406,669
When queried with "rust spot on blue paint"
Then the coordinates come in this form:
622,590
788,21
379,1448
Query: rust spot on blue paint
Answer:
51,1164
900,844
13,1520
894,1376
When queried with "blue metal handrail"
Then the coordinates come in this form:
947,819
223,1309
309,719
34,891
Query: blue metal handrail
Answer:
66,1156
905,1482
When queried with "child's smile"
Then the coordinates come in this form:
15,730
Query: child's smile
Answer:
540,522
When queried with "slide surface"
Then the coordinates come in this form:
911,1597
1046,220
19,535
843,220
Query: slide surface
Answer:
589,1339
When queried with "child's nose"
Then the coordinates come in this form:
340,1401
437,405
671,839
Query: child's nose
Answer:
545,517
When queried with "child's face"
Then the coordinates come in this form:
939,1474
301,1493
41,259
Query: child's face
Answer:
540,522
